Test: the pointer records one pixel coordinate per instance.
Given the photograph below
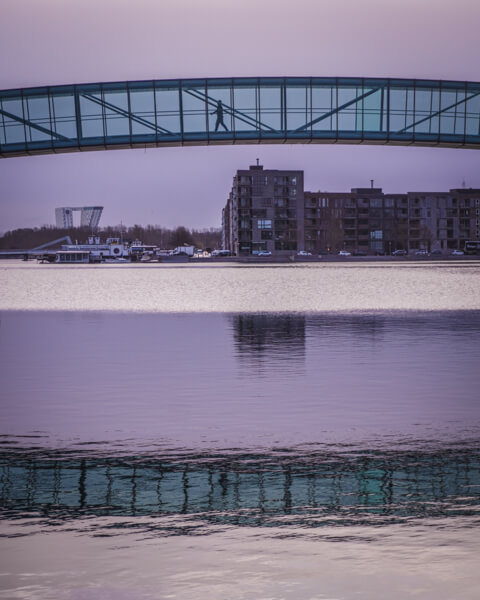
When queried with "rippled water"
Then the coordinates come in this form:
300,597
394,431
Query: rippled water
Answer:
205,444
241,288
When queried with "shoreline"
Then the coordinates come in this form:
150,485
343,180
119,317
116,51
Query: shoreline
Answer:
332,259
285,260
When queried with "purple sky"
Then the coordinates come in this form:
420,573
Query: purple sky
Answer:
73,41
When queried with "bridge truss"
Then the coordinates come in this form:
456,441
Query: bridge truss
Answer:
252,110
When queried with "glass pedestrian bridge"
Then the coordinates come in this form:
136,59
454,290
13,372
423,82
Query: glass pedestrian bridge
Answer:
134,114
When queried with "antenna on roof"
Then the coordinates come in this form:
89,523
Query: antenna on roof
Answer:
371,183
463,183
258,162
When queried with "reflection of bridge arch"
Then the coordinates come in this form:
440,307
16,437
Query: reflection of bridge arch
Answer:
254,110
264,488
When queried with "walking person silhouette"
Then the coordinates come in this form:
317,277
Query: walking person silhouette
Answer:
219,112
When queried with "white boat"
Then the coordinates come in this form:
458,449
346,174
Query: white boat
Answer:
100,251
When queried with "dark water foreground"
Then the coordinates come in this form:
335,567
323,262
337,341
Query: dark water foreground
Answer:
331,456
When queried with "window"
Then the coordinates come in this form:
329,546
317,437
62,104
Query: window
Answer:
264,223
376,235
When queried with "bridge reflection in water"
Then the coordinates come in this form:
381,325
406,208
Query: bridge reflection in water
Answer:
244,489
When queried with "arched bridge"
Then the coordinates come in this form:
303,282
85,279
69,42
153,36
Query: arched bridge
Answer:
239,111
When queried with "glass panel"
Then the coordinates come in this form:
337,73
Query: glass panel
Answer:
447,117
298,107
3,139
14,130
460,114
219,109
194,109
372,110
91,114
271,108
116,112
423,110
37,111
324,101
350,118
473,116
63,115
410,115
398,105
245,103
142,106
168,110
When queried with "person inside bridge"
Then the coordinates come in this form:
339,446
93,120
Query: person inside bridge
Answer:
219,112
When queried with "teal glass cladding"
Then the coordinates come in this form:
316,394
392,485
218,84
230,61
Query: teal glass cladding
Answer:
239,110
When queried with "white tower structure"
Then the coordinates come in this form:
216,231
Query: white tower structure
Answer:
89,216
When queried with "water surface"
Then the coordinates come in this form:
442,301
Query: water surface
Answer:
203,445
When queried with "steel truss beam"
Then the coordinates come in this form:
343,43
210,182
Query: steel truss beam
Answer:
439,112
237,114
338,109
28,123
126,113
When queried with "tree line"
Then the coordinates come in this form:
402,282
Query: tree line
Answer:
28,238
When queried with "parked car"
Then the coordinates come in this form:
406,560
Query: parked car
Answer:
303,253
436,252
457,253
344,253
399,252
421,252
264,253
359,253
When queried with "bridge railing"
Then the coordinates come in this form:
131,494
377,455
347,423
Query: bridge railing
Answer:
239,110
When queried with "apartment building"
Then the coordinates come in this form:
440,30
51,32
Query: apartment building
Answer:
264,212
443,221
268,210
364,220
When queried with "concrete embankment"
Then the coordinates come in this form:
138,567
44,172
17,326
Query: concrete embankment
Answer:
331,259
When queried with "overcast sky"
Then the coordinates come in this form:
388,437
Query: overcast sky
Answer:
48,42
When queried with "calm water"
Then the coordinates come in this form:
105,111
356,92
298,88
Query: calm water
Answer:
291,432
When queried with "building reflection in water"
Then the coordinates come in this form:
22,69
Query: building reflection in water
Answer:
250,489
269,336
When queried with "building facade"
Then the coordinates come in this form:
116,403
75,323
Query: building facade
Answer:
268,210
264,212
365,220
